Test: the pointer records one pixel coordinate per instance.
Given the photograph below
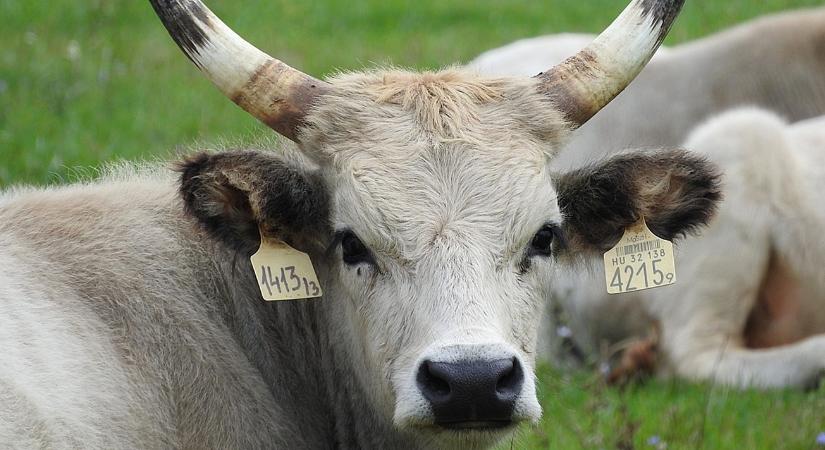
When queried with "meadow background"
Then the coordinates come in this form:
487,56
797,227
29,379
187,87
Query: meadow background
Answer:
83,82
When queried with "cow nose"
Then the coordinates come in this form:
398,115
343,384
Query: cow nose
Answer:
471,394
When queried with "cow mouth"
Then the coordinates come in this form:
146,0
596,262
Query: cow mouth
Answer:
478,425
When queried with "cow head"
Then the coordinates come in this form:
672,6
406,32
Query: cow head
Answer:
433,194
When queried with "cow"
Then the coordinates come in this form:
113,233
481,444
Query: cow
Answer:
775,62
749,306
132,316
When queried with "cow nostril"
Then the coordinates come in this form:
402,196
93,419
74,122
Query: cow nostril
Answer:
510,380
434,387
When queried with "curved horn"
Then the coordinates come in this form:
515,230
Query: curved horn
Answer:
586,82
270,90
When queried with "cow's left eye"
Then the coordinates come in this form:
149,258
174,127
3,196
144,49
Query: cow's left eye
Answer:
542,243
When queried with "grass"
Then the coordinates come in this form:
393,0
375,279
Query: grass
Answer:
85,82
580,412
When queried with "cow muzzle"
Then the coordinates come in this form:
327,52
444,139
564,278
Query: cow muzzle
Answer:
462,388
475,393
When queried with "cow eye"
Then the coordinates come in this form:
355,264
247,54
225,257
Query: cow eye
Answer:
542,243
353,250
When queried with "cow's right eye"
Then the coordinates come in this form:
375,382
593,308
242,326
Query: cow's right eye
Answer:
354,251
542,243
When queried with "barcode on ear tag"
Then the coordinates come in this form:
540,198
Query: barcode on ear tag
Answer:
641,260
284,273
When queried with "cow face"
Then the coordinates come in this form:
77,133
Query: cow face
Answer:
441,239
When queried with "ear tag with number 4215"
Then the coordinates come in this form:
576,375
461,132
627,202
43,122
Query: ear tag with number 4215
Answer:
641,260
284,273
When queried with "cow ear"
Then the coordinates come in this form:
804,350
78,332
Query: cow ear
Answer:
235,194
675,191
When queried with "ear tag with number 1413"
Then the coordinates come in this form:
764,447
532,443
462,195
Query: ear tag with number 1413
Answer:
284,273
641,260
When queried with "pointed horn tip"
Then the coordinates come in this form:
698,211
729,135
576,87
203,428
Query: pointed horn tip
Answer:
586,82
183,21
275,93
662,13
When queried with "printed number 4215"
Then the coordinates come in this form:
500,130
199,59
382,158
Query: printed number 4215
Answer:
629,278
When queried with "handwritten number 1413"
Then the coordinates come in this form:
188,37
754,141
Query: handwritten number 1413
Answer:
287,280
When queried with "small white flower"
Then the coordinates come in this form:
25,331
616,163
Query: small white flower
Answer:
73,50
563,331
30,37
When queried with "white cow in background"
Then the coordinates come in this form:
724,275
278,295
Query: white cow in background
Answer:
749,305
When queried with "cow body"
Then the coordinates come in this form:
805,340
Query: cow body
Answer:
131,323
773,62
136,336
749,305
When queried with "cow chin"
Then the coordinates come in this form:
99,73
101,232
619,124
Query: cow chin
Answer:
466,395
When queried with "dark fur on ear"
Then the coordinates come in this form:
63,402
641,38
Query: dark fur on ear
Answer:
234,193
675,191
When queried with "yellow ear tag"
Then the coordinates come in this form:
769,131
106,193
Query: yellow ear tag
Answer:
641,260
284,273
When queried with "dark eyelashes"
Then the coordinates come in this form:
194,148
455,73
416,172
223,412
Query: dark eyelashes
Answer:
335,242
560,240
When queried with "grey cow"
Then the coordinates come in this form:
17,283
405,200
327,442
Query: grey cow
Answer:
131,317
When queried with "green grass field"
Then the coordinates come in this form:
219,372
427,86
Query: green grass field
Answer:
88,81
83,82
580,412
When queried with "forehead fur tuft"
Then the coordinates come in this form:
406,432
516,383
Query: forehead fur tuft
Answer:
443,102
389,113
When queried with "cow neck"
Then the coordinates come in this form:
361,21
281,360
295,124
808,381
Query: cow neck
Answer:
306,365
